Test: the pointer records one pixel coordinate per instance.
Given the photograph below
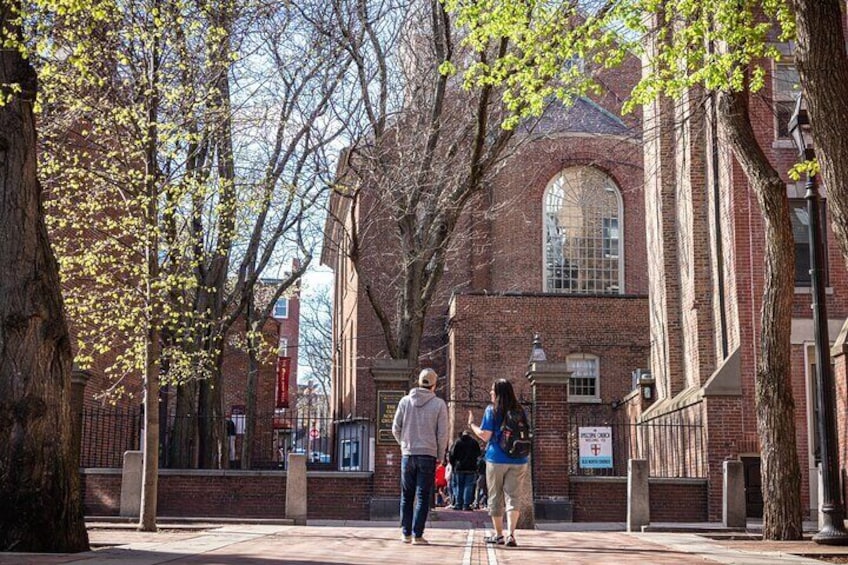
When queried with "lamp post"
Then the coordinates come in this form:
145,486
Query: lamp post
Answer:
832,530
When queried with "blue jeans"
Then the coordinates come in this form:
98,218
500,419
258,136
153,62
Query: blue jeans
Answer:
417,475
454,492
465,483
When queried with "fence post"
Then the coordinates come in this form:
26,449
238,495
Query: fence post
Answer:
131,484
733,507
296,490
638,495
550,444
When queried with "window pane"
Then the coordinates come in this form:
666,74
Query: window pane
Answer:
584,376
800,231
281,308
786,88
582,233
787,83
783,112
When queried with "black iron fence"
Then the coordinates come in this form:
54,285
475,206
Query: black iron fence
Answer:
107,433
674,446
327,444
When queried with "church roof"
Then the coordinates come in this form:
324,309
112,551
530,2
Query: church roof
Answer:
583,116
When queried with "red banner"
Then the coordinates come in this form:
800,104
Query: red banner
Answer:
283,372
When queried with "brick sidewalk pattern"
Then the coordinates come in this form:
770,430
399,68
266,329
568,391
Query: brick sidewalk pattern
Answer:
454,542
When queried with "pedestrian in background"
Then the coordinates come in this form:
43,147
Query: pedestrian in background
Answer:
463,459
505,475
481,498
441,485
420,427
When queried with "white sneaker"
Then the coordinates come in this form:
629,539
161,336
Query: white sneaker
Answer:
405,538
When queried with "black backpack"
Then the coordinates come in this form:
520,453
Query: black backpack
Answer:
515,434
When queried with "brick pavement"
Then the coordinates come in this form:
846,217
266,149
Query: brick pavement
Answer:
451,542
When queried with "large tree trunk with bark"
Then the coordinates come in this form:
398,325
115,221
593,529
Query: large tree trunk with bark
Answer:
781,472
823,65
212,453
182,444
40,505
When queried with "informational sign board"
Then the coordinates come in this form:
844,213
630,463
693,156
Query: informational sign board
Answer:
387,401
595,448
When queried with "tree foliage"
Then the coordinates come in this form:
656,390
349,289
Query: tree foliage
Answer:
241,93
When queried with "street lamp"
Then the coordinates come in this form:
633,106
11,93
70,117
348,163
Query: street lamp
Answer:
832,530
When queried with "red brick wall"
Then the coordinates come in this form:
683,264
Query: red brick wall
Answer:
605,500
678,500
492,337
101,492
600,500
236,494
515,233
338,496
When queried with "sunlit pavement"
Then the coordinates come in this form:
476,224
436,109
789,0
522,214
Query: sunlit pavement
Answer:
450,541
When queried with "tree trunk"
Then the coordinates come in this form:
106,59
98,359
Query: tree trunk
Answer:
252,378
150,466
775,407
212,453
40,505
183,441
212,429
823,65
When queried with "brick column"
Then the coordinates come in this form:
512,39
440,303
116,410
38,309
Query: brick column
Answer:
840,378
550,440
392,379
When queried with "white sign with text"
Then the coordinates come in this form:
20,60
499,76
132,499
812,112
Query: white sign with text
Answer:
595,448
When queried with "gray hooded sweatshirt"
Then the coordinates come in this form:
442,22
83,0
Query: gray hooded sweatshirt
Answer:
421,424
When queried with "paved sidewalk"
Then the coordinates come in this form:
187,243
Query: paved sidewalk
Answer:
458,541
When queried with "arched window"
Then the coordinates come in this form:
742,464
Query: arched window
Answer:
583,386
583,248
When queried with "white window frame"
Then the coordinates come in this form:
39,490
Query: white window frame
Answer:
591,398
277,309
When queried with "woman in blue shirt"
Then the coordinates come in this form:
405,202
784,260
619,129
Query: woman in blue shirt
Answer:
505,476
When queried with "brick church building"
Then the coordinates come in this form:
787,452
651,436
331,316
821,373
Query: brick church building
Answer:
634,252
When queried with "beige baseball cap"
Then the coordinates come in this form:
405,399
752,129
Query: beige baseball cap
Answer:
427,378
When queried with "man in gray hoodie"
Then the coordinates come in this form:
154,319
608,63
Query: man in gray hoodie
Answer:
421,428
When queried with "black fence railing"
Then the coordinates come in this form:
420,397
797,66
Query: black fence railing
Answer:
673,447
327,444
107,433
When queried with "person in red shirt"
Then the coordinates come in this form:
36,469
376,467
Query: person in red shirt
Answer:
441,483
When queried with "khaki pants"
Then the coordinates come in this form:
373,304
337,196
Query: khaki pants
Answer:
504,481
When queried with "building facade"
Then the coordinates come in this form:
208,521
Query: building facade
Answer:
638,260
